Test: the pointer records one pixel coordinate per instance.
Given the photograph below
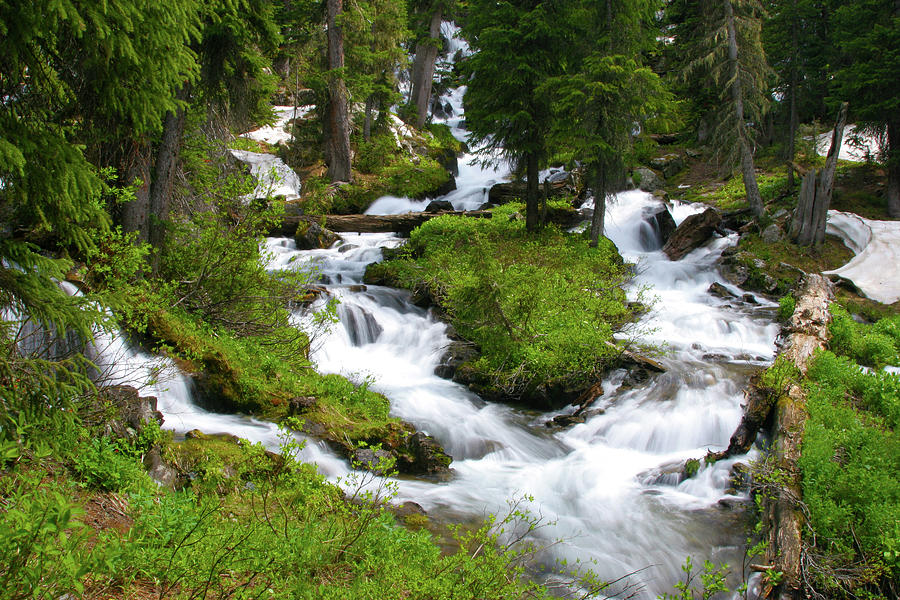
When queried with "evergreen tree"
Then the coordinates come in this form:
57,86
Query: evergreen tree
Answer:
428,15
337,116
598,107
75,77
516,46
727,49
866,73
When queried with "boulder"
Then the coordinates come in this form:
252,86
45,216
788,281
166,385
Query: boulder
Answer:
771,234
132,410
370,459
314,236
423,455
670,164
717,289
438,206
301,404
661,227
693,232
164,474
647,180
457,352
501,193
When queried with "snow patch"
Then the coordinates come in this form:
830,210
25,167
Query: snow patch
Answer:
856,146
875,269
277,132
273,176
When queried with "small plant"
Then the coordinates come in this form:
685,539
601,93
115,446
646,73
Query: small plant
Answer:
786,306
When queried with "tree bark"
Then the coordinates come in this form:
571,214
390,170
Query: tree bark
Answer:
808,227
532,193
893,165
793,118
337,120
748,170
135,214
599,217
164,176
423,69
402,223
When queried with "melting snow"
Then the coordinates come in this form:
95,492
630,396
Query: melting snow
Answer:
875,269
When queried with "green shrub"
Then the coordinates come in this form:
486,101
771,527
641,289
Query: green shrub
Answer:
874,345
786,306
540,307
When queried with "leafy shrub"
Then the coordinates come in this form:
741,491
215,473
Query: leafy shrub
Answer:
786,306
873,345
540,307
104,465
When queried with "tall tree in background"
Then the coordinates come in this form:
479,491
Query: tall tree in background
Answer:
428,14
64,112
598,107
730,52
516,47
795,37
866,72
336,128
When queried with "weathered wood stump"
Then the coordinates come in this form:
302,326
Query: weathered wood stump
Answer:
402,224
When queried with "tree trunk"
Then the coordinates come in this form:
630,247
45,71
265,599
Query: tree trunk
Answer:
532,193
135,214
423,69
793,118
164,176
337,120
599,216
893,165
808,227
748,171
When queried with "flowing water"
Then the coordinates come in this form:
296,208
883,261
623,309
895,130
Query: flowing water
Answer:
611,485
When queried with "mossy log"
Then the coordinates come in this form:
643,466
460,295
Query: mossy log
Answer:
402,224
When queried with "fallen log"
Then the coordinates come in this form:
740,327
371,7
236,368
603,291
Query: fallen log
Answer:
401,224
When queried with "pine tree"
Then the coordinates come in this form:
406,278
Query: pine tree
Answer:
516,47
337,117
598,107
866,73
727,49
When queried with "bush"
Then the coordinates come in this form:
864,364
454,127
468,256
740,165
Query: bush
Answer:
540,307
872,345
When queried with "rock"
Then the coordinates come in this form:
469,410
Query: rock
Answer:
661,227
314,236
457,352
132,410
693,232
647,180
370,459
423,455
408,509
516,216
565,420
719,290
670,164
196,434
749,299
771,234
438,206
159,470
357,288
443,189
501,193
692,153
661,195
301,404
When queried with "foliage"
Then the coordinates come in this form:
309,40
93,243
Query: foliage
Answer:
874,345
712,581
786,306
539,307
849,461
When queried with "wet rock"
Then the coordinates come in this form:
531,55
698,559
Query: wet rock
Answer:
647,180
670,164
159,470
344,248
459,351
132,410
314,236
693,232
408,509
196,434
357,288
423,455
719,290
438,206
741,475
446,187
566,420
749,299
301,404
371,459
662,226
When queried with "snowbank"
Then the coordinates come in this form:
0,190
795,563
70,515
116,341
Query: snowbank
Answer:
875,269
857,147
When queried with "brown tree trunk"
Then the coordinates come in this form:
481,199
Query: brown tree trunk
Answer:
599,216
135,216
164,176
532,194
337,119
893,165
816,190
748,170
423,69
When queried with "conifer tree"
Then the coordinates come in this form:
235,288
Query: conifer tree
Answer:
516,46
428,15
866,72
728,50
337,118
